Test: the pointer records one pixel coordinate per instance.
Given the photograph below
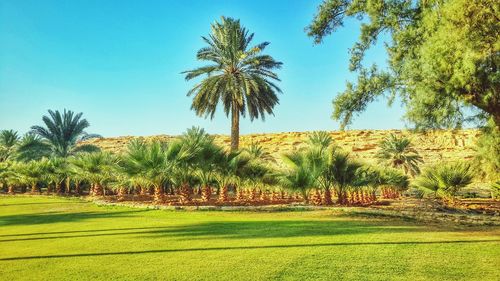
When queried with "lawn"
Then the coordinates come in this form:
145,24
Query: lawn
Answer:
44,238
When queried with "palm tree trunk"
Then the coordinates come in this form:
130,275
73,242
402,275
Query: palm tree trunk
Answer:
240,195
68,185
316,198
98,190
10,189
77,188
327,197
206,193
34,188
235,128
58,188
185,193
121,194
223,195
158,195
49,188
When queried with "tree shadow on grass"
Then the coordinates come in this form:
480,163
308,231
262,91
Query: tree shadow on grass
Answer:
341,244
56,217
232,230
44,203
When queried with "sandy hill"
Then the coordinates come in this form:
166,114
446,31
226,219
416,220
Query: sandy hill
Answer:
433,146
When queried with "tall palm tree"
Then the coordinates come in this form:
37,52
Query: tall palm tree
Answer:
62,131
398,152
239,76
8,142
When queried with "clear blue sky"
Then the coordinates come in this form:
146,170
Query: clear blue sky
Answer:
119,63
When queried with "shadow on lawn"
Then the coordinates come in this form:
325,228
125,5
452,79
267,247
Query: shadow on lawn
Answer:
55,217
43,203
249,248
230,230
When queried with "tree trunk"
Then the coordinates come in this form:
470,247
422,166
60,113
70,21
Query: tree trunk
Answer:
121,194
327,197
316,198
77,188
143,190
185,194
58,188
49,188
206,193
98,190
68,185
235,127
158,195
240,195
34,188
10,189
223,194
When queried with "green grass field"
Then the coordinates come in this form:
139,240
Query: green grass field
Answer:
62,239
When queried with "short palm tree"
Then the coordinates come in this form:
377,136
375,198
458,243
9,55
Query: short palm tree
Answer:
8,142
63,130
445,180
398,152
31,147
239,76
258,152
97,168
31,173
230,168
304,169
320,139
343,173
56,173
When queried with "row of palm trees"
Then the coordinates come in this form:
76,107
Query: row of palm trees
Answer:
52,158
194,164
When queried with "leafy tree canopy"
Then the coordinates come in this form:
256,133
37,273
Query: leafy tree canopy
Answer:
443,58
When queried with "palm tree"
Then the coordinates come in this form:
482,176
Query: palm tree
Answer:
258,152
320,139
445,180
8,142
230,167
97,168
31,147
56,173
31,173
343,173
399,153
305,167
62,131
239,76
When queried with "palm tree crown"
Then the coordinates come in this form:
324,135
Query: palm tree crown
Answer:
399,153
239,76
63,131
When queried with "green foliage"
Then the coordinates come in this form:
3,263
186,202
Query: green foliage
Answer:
62,131
257,152
487,159
495,190
398,152
97,167
239,75
8,142
445,180
443,57
320,139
